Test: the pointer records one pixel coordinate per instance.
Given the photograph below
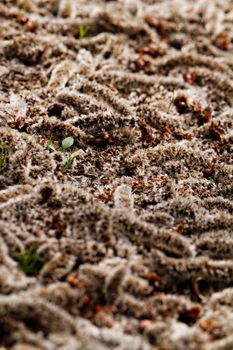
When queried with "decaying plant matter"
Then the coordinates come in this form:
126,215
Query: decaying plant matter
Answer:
116,208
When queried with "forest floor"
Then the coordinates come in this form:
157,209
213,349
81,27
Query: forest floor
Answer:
116,208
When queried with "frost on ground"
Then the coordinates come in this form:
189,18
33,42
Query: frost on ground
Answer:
116,175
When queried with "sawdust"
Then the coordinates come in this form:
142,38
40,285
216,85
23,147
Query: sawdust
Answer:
133,222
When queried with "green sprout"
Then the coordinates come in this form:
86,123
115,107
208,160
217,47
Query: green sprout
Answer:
50,145
69,162
66,143
2,157
83,31
30,261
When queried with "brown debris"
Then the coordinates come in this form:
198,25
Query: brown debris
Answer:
216,131
181,103
146,50
153,279
222,41
147,132
22,19
56,109
141,64
190,77
203,116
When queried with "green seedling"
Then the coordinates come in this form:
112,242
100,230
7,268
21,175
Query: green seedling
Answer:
50,145
66,143
69,162
83,31
30,261
2,157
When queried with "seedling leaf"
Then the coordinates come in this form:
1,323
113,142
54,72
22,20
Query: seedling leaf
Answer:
83,31
50,145
67,143
69,162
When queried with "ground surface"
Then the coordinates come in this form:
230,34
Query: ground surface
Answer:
134,234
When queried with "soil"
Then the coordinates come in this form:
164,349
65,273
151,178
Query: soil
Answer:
119,237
